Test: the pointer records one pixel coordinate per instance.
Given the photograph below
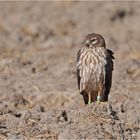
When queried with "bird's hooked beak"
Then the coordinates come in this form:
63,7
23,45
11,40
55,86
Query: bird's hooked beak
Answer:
87,43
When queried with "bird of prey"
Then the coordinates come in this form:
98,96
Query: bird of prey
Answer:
94,69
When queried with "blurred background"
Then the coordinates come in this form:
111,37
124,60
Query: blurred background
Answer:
38,47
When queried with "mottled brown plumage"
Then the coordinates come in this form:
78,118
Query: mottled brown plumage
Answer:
94,69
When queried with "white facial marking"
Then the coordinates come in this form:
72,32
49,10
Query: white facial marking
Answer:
94,42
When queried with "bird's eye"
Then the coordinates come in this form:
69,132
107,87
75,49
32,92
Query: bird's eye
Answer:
93,39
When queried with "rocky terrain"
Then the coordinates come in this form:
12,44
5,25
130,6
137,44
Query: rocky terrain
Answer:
39,97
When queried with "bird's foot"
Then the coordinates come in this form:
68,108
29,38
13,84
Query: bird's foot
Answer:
89,102
98,98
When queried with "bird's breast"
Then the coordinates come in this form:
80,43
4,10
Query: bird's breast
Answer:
91,66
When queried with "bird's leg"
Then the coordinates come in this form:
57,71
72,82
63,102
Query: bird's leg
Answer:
89,98
99,97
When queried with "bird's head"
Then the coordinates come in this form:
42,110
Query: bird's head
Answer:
94,40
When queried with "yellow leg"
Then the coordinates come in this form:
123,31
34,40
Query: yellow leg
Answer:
98,97
89,98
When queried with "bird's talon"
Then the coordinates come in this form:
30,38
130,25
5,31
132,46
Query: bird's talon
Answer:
98,102
98,98
89,102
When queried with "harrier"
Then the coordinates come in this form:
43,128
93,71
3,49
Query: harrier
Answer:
94,69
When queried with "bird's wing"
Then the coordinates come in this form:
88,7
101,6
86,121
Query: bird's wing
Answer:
77,70
112,57
108,74
111,53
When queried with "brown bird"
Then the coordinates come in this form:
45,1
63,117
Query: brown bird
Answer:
94,69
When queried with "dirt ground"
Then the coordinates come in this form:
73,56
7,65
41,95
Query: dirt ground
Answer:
39,97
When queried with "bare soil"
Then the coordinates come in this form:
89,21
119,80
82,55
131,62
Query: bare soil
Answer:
39,97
